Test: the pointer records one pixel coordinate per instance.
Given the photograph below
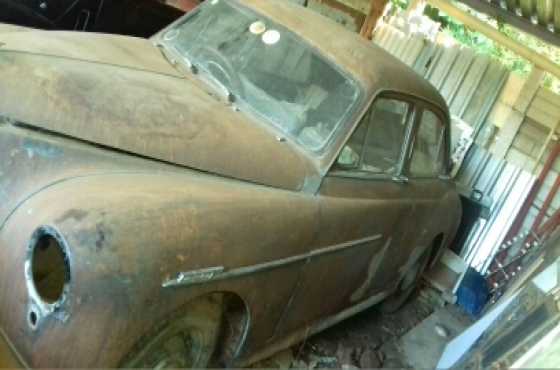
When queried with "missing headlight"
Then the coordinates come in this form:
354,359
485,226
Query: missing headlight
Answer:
47,271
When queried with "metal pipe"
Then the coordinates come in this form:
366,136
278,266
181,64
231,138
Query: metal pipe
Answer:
526,207
549,198
476,24
548,227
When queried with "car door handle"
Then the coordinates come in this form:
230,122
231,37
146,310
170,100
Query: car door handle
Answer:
400,179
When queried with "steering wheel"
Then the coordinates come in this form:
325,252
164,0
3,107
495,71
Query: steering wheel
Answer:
213,60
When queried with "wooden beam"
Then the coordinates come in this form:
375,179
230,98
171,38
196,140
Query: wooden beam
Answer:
376,10
506,16
476,24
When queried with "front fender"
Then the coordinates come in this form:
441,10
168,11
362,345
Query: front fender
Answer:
124,236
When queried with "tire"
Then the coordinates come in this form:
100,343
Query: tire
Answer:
187,340
407,285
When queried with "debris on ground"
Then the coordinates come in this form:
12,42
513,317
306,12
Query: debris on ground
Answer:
367,340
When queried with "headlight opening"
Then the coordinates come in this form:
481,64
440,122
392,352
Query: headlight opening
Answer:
47,272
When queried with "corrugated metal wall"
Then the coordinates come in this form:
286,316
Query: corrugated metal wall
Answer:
505,186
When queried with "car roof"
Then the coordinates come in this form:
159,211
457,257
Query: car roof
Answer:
369,64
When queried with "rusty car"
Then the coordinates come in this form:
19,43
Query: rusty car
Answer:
247,177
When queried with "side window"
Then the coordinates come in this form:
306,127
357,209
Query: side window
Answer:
376,145
428,150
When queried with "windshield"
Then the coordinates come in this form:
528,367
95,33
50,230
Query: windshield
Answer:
267,68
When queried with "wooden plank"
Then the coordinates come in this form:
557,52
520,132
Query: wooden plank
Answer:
512,89
401,49
458,74
500,114
444,64
530,89
517,158
545,107
426,58
526,144
544,118
470,84
414,49
485,94
507,134
534,129
549,96
393,40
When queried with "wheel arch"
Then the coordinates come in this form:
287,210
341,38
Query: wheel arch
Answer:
236,323
233,325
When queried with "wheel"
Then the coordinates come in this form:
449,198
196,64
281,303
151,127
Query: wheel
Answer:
188,340
406,286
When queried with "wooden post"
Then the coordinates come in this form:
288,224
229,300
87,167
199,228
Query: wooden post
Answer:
376,10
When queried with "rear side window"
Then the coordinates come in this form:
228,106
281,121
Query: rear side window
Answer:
377,143
429,147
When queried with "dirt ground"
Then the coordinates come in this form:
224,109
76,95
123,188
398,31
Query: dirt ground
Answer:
367,340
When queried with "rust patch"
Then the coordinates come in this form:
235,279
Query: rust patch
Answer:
97,238
101,236
72,214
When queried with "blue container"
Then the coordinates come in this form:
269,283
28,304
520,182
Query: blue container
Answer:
473,293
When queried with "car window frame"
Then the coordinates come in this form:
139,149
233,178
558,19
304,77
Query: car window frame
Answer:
444,170
400,174
317,153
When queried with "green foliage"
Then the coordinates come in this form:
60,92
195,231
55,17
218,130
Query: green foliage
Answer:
399,4
484,45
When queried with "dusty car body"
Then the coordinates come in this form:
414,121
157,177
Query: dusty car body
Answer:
141,18
142,178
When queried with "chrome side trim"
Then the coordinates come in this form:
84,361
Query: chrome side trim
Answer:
194,277
220,273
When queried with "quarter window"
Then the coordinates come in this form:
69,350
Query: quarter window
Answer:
377,143
428,150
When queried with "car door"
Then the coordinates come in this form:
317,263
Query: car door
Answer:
426,169
365,210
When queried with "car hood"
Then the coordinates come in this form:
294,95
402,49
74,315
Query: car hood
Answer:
120,92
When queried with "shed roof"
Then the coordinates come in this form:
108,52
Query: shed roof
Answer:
541,18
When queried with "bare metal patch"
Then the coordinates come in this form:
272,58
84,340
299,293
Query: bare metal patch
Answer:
372,270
